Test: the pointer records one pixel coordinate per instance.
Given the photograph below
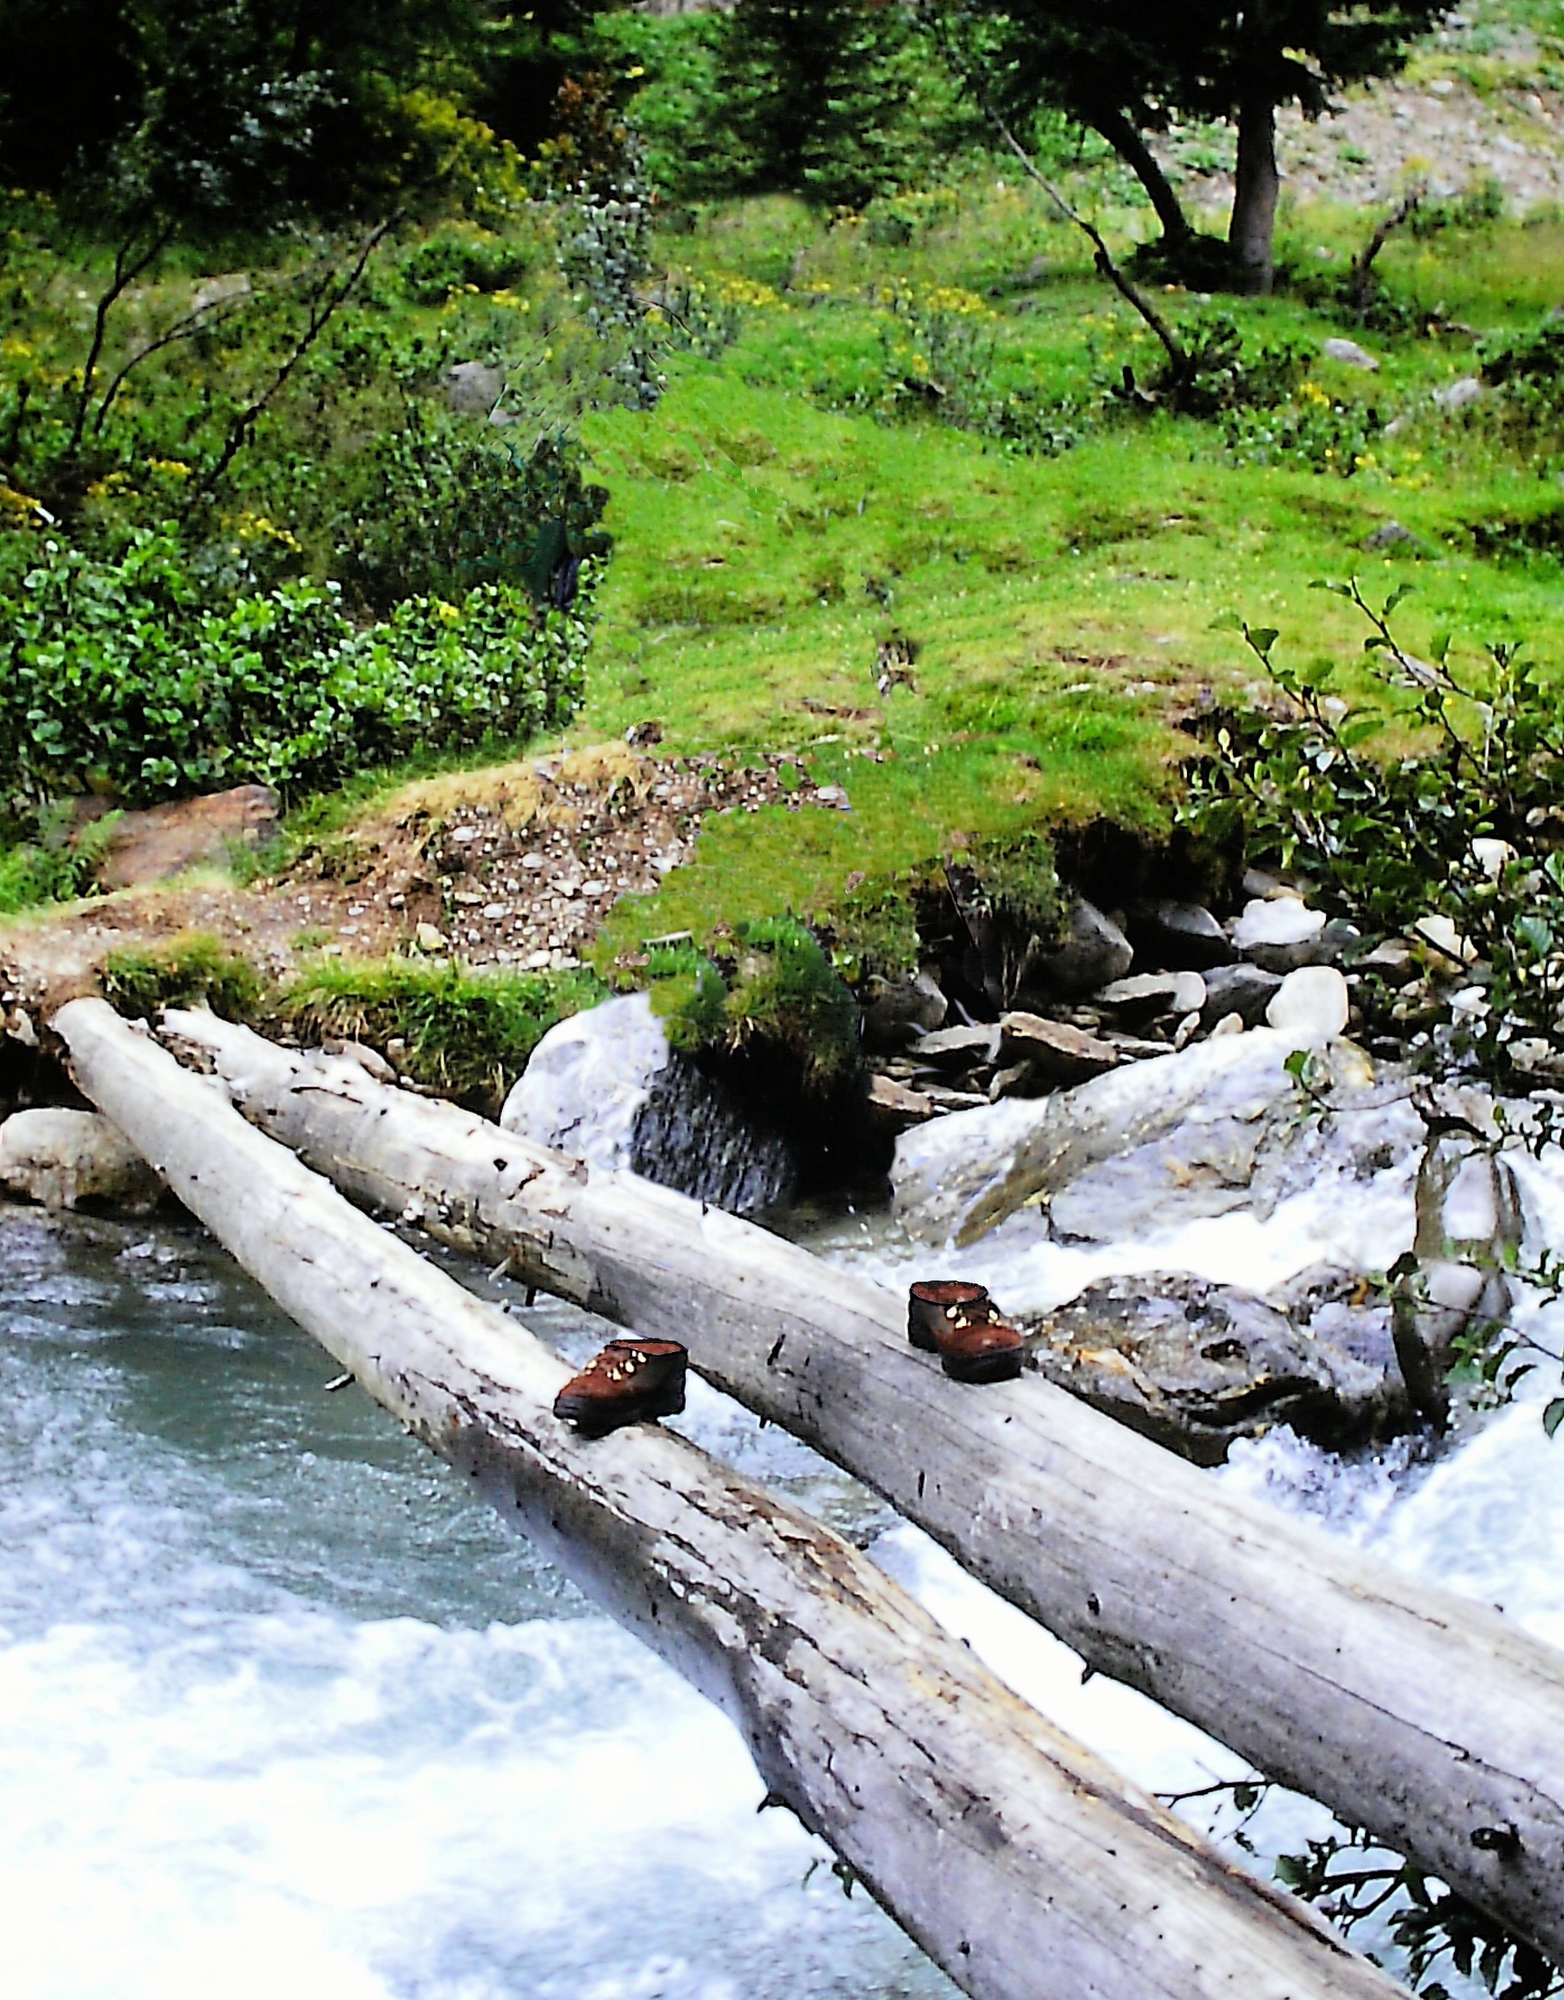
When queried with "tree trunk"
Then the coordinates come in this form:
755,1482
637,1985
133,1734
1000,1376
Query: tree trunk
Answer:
1018,1860
1252,231
1426,1718
1129,142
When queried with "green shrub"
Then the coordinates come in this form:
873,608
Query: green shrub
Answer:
463,258
117,673
54,868
786,993
1462,825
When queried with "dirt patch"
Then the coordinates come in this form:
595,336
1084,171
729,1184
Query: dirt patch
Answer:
516,866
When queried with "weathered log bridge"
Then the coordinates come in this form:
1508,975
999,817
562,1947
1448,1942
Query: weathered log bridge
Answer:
1427,1719
1023,1864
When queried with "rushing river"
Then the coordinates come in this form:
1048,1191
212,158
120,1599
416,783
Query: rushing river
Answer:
283,1713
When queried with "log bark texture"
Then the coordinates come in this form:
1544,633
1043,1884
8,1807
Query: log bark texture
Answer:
1427,1719
1023,1864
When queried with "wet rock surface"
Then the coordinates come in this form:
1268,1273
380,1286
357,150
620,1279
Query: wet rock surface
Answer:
606,1088
1197,1365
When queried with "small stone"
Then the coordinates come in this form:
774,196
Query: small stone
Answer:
462,836
1230,1024
494,911
1312,1002
1391,536
1350,355
428,938
833,795
957,1046
1492,857
593,888
896,1103
1449,946
1095,952
898,1010
1280,920
537,960
1460,395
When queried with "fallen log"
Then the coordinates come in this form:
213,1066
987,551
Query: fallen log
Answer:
1020,1862
1429,1720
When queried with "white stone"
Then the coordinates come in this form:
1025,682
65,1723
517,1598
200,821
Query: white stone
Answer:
1350,355
1278,920
1441,933
1460,395
1312,1002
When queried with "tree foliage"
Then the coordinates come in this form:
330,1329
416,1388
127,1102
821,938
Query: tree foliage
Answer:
1126,68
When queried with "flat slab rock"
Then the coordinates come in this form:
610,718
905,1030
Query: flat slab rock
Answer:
1196,1365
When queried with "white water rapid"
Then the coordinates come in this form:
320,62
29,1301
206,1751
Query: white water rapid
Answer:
283,1714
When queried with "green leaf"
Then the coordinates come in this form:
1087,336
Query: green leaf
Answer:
1553,1416
1262,638
1226,621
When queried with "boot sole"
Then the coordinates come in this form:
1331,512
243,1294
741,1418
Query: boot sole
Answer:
593,1421
985,1368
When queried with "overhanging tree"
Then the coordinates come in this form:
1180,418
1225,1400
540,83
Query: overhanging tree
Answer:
1126,67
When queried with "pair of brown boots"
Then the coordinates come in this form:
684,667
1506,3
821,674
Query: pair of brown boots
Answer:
634,1380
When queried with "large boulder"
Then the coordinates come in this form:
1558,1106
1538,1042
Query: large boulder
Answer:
606,1087
1196,1365
62,1159
962,1175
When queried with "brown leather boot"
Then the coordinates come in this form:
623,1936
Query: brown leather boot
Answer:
630,1382
957,1321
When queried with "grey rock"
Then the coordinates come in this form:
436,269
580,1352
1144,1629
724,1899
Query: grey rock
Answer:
899,1010
61,1158
1181,936
472,388
962,1176
1144,995
1095,952
1391,535
1350,355
1281,934
1468,1221
1241,989
957,1047
1460,395
1196,1365
606,1088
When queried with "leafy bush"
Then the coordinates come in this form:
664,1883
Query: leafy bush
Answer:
119,674
460,259
1463,825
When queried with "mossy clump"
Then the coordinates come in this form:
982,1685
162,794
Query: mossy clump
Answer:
462,1033
1018,879
689,996
192,969
768,988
